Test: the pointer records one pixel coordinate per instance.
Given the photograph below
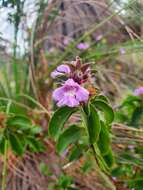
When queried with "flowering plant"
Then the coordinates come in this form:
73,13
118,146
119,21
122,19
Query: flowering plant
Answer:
92,130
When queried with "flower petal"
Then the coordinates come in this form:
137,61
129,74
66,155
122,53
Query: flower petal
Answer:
83,46
68,101
72,83
63,69
54,74
82,94
58,93
138,91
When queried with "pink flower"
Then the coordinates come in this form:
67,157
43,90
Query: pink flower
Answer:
83,46
138,91
61,70
70,94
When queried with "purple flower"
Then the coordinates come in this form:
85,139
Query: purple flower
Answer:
61,70
51,50
122,50
67,41
130,147
55,74
83,46
138,91
70,94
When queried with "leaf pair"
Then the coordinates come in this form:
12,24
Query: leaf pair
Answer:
99,117
95,122
67,136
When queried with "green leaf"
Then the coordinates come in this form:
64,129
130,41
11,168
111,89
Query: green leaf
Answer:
102,98
44,169
64,181
16,144
35,129
107,110
93,124
69,136
136,183
109,158
58,120
75,153
2,144
87,166
131,100
102,164
35,144
136,116
104,139
19,122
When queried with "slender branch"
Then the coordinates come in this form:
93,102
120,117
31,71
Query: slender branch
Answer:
104,176
4,172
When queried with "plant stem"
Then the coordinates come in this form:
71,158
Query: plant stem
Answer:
103,175
4,172
94,153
